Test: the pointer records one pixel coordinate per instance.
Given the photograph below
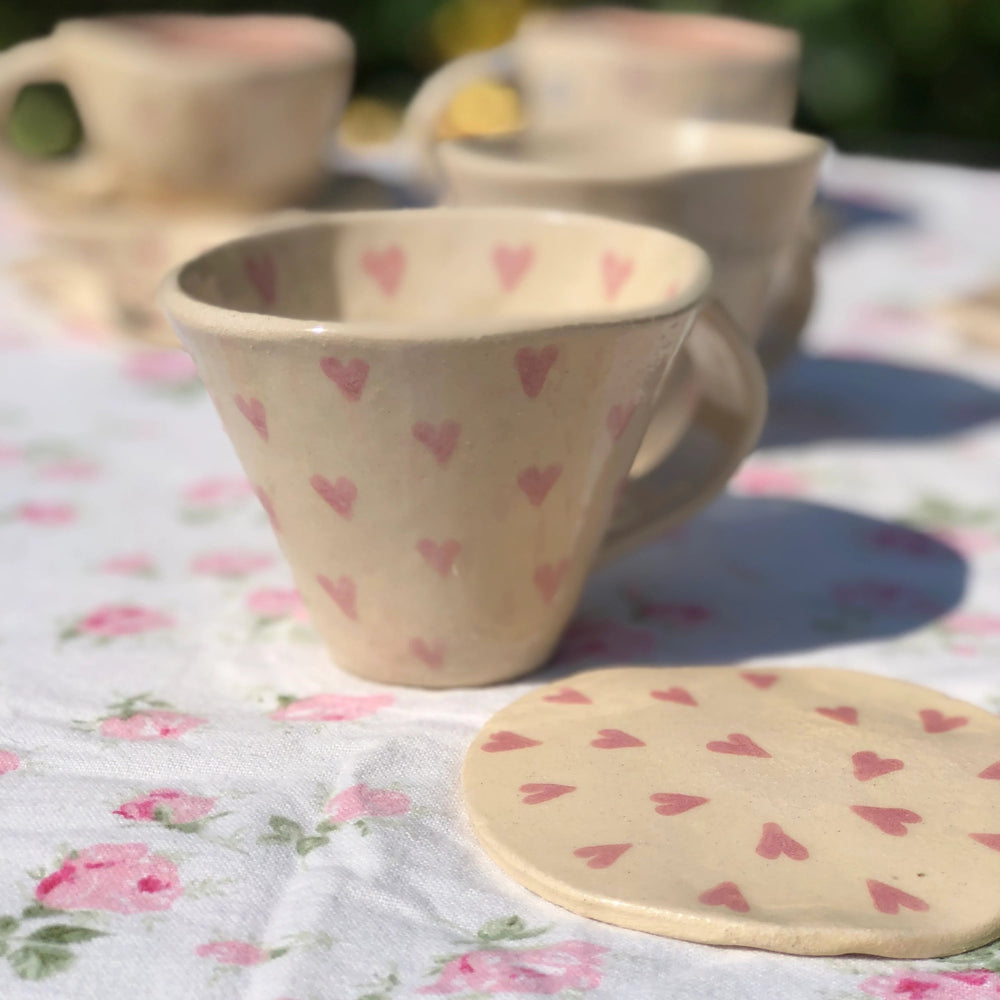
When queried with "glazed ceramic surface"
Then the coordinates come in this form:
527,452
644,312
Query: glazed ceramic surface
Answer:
813,811
740,191
229,109
438,409
591,67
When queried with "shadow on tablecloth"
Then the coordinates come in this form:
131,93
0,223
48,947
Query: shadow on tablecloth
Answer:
827,398
760,576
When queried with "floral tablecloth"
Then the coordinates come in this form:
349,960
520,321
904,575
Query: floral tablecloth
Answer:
195,803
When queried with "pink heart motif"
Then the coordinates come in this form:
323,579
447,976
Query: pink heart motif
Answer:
618,419
265,502
548,577
991,773
253,410
679,695
533,367
340,495
868,765
512,263
439,440
568,696
602,855
386,267
343,593
936,722
890,821
738,744
725,894
431,654
990,840
504,740
762,681
535,483
350,378
615,739
674,803
774,842
616,271
440,556
262,274
843,713
888,899
543,792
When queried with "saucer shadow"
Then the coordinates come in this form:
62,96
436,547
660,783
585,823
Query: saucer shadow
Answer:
752,577
817,398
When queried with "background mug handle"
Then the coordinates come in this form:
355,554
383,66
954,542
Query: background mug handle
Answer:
85,176
728,417
435,94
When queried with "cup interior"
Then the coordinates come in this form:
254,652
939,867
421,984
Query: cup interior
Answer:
698,35
254,38
438,272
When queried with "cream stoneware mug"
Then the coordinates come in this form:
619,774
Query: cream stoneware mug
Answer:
739,191
231,109
594,65
439,409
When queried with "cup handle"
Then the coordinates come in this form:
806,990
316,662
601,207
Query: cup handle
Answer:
434,95
727,422
85,176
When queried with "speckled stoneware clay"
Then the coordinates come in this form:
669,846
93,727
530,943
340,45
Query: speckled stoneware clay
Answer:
813,811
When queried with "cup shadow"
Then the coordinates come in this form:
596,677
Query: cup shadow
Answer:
755,576
824,398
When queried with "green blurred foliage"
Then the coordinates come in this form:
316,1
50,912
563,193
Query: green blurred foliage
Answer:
902,77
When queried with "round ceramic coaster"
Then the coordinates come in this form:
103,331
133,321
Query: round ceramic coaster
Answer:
812,811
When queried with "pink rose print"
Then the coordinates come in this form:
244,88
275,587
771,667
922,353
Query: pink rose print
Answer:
330,707
231,563
883,596
976,984
591,638
233,952
362,802
973,624
895,538
968,541
154,725
10,452
135,564
112,620
167,805
541,971
69,468
9,761
36,512
277,602
759,480
122,878
218,491
170,368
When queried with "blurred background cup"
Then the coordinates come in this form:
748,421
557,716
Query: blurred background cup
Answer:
234,110
592,65
739,191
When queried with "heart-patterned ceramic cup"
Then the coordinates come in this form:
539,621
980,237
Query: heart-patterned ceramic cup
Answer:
228,110
439,408
589,67
739,191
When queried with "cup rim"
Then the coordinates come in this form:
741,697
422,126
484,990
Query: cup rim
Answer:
776,42
184,309
335,44
474,154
